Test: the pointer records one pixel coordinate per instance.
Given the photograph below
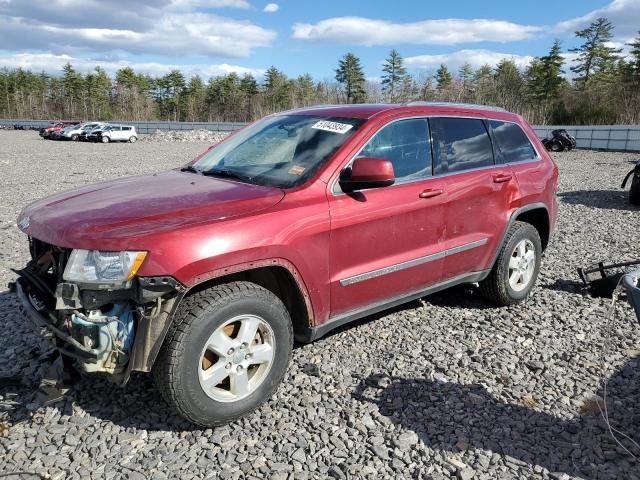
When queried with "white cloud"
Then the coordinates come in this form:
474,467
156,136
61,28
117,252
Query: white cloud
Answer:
271,7
623,14
476,58
52,64
370,32
242,4
119,25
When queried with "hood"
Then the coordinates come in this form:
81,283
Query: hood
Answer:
105,215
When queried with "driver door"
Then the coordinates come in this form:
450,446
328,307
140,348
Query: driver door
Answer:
387,242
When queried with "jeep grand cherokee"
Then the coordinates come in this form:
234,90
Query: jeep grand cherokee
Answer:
294,225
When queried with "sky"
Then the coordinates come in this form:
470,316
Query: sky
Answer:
213,37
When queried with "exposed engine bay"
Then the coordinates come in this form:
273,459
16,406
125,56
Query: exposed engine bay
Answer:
111,327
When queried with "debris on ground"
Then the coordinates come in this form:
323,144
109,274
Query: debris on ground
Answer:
185,136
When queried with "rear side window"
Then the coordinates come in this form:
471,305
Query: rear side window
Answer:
126,128
405,143
512,142
460,144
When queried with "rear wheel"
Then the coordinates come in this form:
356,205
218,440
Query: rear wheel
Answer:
516,268
227,351
133,139
634,191
74,138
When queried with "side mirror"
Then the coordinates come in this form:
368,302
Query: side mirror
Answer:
367,172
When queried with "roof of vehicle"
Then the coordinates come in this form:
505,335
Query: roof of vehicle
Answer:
369,110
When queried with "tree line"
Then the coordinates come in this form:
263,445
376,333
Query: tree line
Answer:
604,88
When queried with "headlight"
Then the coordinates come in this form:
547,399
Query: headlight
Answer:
95,266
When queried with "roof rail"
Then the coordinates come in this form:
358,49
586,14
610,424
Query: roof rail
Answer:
454,104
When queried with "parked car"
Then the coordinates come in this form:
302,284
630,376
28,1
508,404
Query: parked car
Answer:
73,132
634,189
116,133
560,141
85,135
293,226
56,127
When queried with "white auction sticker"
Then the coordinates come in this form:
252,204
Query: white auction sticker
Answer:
332,126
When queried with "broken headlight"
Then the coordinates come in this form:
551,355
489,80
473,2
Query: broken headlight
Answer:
96,266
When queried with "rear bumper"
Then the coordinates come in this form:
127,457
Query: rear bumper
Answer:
43,326
631,283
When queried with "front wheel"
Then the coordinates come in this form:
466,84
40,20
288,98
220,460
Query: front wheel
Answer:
516,268
227,351
105,139
74,138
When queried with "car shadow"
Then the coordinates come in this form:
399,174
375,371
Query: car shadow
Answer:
455,418
564,285
605,199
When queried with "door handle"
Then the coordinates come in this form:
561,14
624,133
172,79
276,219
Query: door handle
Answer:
502,177
430,193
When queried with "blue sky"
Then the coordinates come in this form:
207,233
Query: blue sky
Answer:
210,37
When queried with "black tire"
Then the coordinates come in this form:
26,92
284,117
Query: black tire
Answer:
634,191
74,138
133,139
555,147
496,287
199,315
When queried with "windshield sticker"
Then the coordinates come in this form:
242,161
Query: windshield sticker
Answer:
335,127
296,170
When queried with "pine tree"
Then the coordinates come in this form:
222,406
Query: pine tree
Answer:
443,77
595,58
544,75
635,58
350,74
305,88
394,75
465,74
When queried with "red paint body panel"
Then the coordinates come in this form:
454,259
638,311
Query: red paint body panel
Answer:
196,228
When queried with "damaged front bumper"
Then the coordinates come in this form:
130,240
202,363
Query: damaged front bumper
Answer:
111,331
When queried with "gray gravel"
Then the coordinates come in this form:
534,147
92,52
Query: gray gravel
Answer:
446,387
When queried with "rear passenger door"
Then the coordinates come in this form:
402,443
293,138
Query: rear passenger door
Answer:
516,152
478,193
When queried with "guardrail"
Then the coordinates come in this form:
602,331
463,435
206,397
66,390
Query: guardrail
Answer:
624,138
142,127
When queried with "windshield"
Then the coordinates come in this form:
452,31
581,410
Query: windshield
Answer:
281,151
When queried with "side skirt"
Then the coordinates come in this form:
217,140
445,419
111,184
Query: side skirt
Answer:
319,331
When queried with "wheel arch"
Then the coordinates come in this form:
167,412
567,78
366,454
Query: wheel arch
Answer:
536,214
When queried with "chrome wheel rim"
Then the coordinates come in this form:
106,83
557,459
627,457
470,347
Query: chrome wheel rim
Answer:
522,264
236,358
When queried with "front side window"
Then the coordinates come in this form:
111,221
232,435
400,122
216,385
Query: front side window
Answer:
281,151
512,142
405,143
460,144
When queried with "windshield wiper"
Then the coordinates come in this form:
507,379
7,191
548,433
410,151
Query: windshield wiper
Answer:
191,168
227,174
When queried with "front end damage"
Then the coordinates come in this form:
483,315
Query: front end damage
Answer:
100,327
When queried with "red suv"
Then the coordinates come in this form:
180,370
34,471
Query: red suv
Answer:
297,224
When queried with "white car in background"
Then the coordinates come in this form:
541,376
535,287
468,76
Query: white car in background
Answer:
118,133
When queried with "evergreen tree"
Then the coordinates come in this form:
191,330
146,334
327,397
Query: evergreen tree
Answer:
350,74
595,58
395,74
443,77
465,74
304,87
544,75
635,58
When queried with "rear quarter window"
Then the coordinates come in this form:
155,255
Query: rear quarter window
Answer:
512,143
460,144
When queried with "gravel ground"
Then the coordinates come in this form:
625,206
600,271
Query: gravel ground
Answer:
445,387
